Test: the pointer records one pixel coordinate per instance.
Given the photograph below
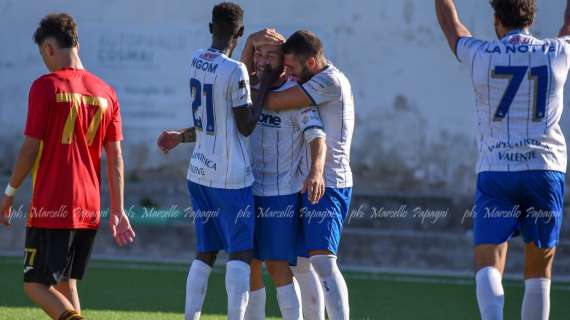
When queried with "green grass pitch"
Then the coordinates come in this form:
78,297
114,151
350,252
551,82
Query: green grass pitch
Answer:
129,290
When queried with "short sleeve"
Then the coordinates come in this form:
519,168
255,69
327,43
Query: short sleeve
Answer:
466,49
322,88
307,118
115,128
240,91
40,98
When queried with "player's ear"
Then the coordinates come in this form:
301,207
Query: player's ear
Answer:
311,63
211,28
240,32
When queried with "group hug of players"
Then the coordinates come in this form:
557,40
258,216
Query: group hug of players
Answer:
270,179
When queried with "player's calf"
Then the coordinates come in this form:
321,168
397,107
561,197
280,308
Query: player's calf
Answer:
489,265
537,274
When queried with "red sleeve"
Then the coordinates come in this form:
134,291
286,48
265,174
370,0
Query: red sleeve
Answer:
115,130
39,100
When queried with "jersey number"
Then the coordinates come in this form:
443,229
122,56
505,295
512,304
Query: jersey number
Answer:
77,100
516,77
196,91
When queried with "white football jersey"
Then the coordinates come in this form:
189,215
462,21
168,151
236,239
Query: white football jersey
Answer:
278,147
519,87
330,90
221,157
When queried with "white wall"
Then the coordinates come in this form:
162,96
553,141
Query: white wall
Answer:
415,106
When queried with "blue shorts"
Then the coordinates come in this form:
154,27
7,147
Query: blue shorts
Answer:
224,218
276,227
512,203
322,222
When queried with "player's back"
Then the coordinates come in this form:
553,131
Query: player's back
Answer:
519,82
73,113
221,157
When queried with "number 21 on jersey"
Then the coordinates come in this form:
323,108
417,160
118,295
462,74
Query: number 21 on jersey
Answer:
197,90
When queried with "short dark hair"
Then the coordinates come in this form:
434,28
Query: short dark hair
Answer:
515,13
227,19
60,26
304,44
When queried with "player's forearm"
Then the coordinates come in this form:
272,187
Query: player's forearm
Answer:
318,155
565,30
450,23
25,162
188,135
115,173
247,125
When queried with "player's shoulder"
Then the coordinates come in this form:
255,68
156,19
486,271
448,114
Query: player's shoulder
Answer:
329,77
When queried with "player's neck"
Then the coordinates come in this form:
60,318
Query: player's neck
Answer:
505,31
223,45
70,60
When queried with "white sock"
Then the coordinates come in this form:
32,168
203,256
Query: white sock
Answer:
289,299
237,287
256,305
490,294
196,285
536,301
334,286
312,297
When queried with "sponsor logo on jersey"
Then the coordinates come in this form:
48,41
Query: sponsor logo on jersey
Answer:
269,120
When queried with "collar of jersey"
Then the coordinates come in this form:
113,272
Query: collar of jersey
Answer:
215,50
516,31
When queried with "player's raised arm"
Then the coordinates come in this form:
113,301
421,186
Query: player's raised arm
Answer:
451,26
565,30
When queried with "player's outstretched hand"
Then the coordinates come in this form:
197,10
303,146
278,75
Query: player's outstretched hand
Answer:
266,37
121,229
168,140
315,186
6,209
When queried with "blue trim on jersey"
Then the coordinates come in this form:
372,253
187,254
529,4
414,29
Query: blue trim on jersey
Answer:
243,106
276,225
224,218
308,95
456,45
524,202
322,222
313,127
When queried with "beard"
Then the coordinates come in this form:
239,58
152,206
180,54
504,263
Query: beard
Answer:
305,75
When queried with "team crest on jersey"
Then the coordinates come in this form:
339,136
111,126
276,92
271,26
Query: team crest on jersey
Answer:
209,55
518,39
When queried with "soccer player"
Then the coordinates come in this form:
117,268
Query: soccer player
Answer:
280,143
72,116
324,86
518,81
220,173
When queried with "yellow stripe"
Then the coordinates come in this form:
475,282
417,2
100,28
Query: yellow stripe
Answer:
36,166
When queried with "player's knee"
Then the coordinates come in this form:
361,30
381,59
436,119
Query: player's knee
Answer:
303,265
244,256
32,289
324,264
538,262
279,272
208,258
488,255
